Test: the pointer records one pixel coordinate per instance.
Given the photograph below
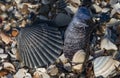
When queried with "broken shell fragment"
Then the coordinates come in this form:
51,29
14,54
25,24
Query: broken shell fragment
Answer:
52,70
1,50
5,38
7,27
96,8
107,44
38,74
68,67
15,32
78,59
21,73
8,66
62,59
104,66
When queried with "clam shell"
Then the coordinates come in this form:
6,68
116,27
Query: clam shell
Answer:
79,57
104,66
39,45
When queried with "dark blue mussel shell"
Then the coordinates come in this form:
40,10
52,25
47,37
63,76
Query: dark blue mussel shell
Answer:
39,45
76,34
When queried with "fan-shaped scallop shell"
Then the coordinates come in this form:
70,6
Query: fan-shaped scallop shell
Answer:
104,66
39,45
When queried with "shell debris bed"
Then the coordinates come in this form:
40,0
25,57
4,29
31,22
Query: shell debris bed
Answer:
59,38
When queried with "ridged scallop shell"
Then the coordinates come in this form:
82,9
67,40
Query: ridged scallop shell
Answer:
39,45
104,66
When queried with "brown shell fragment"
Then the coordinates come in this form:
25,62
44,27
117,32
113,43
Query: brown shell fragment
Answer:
5,38
15,32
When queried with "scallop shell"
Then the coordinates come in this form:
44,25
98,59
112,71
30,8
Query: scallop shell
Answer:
104,66
39,45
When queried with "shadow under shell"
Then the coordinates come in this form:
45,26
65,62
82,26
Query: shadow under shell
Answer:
39,45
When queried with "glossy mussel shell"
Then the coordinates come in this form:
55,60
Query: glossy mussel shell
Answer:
39,45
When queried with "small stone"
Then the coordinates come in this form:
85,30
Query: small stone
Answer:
62,19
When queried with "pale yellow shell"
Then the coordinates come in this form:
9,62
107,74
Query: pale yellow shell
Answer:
79,57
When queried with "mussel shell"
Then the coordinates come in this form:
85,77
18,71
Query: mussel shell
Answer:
76,34
104,66
39,45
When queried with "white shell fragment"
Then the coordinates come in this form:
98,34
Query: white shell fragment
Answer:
107,44
8,66
21,73
96,8
104,66
116,9
2,7
105,10
3,56
1,51
70,9
79,57
39,74
113,22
